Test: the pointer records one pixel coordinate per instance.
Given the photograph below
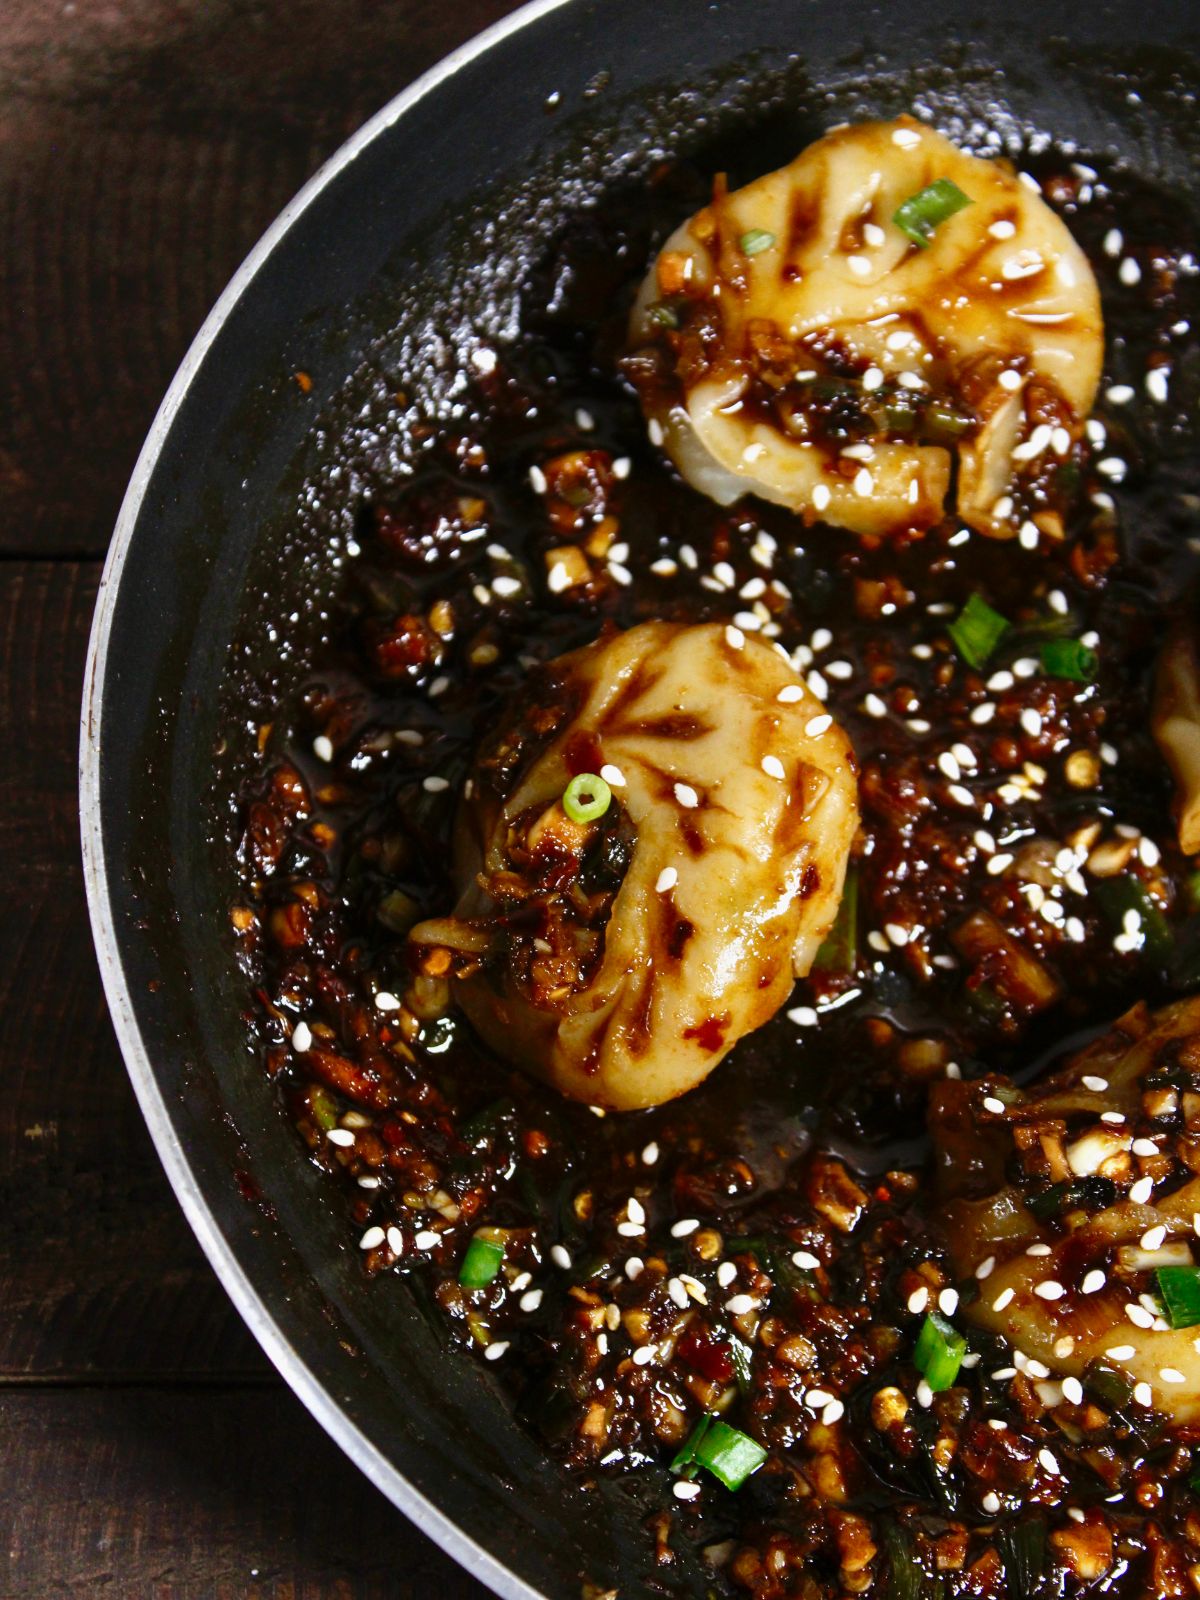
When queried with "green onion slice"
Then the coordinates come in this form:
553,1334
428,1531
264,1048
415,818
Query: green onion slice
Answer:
977,630
324,1107
1069,658
729,1455
481,1263
586,797
1180,1291
1117,897
755,241
939,1351
922,212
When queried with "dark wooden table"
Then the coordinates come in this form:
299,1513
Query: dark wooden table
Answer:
146,1446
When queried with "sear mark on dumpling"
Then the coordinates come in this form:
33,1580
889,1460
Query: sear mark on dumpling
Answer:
794,342
620,957
1065,1202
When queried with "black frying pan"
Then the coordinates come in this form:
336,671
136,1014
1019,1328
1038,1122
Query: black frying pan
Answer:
425,222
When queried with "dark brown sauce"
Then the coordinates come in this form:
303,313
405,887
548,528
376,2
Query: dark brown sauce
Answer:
340,853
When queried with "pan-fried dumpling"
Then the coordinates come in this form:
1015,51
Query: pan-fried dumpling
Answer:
621,956
793,341
1069,1197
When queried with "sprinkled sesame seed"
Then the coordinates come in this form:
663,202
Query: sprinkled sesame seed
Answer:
1010,380
1144,1147
1139,1316
531,1300
686,796
1141,1191
1153,1237
1112,467
960,795
371,1239
906,138
686,1227
678,1294
1115,1117
833,1412
1003,1299
816,1399
1073,1391
368,1181
924,1394
872,377
814,728
1049,1462
803,1016
996,1107
1171,1375
1049,1290
726,1273
735,638
805,1260
874,706
683,1489
877,941
667,879
385,1001
991,1500
435,785
821,497
1093,1282
301,1038
561,1257
1129,272
982,714
340,1136
918,1300
1143,1395
739,1304
772,765
896,934
985,1268
948,1302
650,1154
790,693
537,479
859,266
635,1210
1031,722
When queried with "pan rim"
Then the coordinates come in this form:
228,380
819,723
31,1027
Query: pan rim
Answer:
313,1394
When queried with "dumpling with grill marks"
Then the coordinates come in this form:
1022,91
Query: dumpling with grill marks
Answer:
832,336
621,954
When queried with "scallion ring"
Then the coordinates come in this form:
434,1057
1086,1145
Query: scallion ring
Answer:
1180,1291
586,797
755,241
481,1263
731,1456
939,1352
977,630
1069,658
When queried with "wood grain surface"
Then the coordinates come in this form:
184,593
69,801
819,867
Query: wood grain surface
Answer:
146,1447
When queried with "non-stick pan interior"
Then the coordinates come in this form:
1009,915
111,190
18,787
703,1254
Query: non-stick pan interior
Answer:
227,560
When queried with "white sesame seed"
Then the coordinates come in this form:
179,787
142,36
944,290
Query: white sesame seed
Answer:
1038,1250
643,1356
613,776
985,1268
1112,467
301,1038
635,1210
918,1300
634,1266
872,379
896,934
1115,1117
1121,1352
340,1136
1153,1238
1049,1462
654,429
1096,1085
385,1001
561,1257
864,483
683,1489
686,796
877,941
531,1300
1003,1299
991,1500
1049,1290
1171,1375
815,727
1010,380
906,138
372,1239
803,1016
805,1260
1093,1282
833,1412
678,1294
996,1107
960,795
726,1273
772,765
790,693
1073,1391
495,1351
1139,1316
1031,722
924,1394
685,1228
435,785
874,706
817,1399
427,1239
650,1154
948,1302
368,1181
734,637
1143,1394
537,479
667,879
622,467
821,497
1141,1191
1129,272
739,1304
1144,1147
982,714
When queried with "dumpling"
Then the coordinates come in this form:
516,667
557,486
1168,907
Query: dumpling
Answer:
794,342
1074,1200
622,955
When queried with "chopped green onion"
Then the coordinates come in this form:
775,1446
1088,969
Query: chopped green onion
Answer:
922,212
977,630
1180,1291
1069,658
839,950
730,1456
939,1352
481,1263
944,422
1111,1386
742,1358
1022,1548
756,241
1118,897
1092,1193
666,316
324,1107
586,797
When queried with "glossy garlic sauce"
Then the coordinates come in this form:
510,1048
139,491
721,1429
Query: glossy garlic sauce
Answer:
768,1249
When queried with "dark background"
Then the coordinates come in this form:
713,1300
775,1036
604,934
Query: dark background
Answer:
146,1446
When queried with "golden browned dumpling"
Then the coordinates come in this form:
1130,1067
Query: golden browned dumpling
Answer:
1073,1203
796,343
621,956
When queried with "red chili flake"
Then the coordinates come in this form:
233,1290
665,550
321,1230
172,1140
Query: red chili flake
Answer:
712,1358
